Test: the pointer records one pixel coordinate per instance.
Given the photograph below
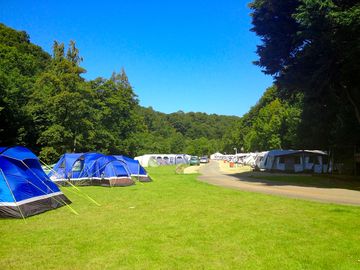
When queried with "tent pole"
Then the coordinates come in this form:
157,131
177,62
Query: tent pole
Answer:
73,210
88,168
61,200
125,167
114,172
138,175
107,164
83,196
86,196
12,194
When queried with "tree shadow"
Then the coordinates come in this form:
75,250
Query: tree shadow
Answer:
301,180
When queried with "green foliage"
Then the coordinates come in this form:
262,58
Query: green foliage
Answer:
312,47
265,133
196,125
191,133
202,146
115,106
52,109
271,124
46,104
70,114
61,107
20,63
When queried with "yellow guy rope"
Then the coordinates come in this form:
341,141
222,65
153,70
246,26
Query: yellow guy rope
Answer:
83,194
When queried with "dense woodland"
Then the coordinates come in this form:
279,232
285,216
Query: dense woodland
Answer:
311,48
48,106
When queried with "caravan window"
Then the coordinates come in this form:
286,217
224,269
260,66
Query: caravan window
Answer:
281,160
312,159
297,160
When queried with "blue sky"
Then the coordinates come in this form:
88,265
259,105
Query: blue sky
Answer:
179,55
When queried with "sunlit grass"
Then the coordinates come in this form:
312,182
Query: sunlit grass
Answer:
177,222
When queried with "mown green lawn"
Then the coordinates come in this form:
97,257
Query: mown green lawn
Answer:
177,222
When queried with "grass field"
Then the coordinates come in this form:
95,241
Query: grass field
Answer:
177,222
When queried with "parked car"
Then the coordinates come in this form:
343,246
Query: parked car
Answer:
204,159
194,160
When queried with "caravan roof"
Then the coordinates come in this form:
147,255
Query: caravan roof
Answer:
293,152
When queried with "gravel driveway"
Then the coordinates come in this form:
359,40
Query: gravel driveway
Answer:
211,174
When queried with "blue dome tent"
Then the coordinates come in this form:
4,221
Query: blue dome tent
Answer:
108,171
25,189
136,170
91,169
63,168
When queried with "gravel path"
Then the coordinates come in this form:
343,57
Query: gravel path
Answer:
211,174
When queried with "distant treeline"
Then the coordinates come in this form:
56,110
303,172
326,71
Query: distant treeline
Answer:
47,105
311,48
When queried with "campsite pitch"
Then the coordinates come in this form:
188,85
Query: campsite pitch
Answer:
177,222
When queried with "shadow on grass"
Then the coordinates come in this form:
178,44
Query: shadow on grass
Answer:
302,180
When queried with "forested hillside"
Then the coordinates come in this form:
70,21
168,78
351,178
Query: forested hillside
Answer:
48,106
311,48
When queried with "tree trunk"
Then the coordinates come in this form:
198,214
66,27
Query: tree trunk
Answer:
353,103
74,144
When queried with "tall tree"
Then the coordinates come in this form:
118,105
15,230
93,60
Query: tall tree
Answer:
60,107
118,119
312,46
20,63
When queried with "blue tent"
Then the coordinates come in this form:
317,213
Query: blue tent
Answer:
25,189
92,169
135,169
63,168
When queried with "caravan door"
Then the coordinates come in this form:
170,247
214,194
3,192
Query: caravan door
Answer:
289,164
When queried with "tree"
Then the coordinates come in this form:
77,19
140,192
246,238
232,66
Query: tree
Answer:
271,124
60,107
116,108
73,54
311,46
20,63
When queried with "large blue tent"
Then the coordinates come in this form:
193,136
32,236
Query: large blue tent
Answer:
63,168
91,169
136,170
25,189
